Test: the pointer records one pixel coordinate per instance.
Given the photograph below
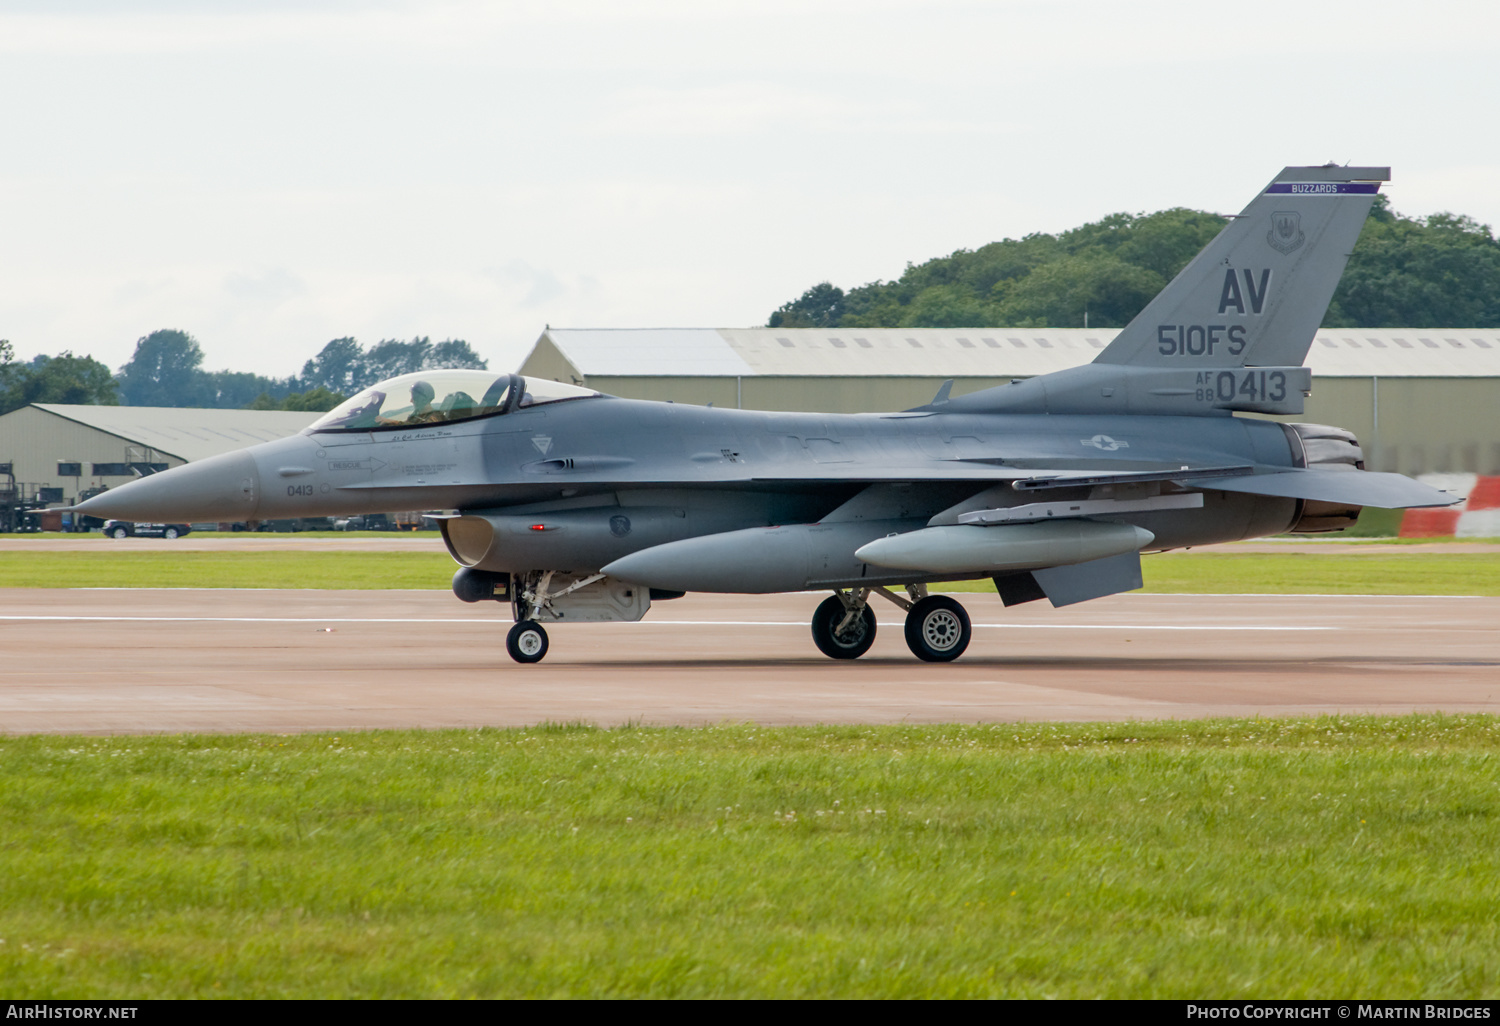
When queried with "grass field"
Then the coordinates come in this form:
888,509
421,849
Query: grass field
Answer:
1393,572
1252,858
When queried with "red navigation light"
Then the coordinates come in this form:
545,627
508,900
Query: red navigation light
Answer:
538,527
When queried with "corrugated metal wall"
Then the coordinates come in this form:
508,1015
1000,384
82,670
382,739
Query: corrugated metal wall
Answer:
35,441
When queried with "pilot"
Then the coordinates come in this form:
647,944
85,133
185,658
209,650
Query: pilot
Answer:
421,411
422,395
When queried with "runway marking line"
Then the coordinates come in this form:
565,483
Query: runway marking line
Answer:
650,623
1146,594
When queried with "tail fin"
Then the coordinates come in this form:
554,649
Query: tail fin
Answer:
1257,293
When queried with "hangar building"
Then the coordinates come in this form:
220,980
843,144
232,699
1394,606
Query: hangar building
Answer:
1421,400
74,448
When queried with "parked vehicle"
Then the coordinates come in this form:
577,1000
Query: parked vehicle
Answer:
131,529
366,522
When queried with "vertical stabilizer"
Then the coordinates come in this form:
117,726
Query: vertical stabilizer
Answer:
1257,293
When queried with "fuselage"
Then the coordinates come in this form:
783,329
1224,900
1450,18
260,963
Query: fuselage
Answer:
676,471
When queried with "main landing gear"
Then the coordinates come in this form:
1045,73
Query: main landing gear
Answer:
843,626
937,627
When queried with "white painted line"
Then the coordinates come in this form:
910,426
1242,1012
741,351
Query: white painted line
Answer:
1153,627
1279,595
1275,595
269,620
1021,626
652,623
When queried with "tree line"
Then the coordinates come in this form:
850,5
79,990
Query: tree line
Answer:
1439,271
167,370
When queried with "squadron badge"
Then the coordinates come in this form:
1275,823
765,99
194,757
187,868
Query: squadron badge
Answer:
1286,231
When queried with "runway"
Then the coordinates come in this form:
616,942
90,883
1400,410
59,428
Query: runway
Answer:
165,661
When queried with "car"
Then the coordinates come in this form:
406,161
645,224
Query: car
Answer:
129,528
365,522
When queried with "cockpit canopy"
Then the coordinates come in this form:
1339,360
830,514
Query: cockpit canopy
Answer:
443,396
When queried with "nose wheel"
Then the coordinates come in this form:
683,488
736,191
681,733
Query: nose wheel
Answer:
526,642
937,629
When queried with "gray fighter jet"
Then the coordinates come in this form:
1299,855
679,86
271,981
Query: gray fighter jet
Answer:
572,506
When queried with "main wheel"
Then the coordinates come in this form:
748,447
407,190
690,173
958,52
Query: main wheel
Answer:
526,642
937,629
857,637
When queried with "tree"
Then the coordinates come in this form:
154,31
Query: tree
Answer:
314,400
165,371
821,306
343,366
234,390
1433,273
455,353
390,357
338,367
1440,271
1100,285
65,378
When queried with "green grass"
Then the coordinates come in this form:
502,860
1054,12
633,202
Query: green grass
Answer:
1376,523
1248,858
1311,573
429,568
1300,572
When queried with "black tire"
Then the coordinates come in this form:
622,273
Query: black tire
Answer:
119,532
854,642
170,533
527,642
938,629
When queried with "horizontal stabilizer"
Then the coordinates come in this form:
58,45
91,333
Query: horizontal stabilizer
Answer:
1355,487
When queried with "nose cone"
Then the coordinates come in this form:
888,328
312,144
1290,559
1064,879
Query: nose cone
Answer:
223,487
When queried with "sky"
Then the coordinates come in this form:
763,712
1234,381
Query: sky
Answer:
271,175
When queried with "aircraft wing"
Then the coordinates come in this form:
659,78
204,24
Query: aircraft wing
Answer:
1024,478
1356,487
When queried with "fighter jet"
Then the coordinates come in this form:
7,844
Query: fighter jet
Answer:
566,505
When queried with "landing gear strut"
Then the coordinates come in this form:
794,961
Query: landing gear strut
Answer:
527,640
843,627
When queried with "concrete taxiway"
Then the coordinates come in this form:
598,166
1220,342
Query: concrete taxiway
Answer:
151,661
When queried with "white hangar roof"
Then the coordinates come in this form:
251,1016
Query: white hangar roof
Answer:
976,352
187,433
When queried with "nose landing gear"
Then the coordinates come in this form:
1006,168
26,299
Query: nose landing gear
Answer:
527,642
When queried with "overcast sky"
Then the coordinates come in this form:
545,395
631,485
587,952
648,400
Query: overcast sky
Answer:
271,175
